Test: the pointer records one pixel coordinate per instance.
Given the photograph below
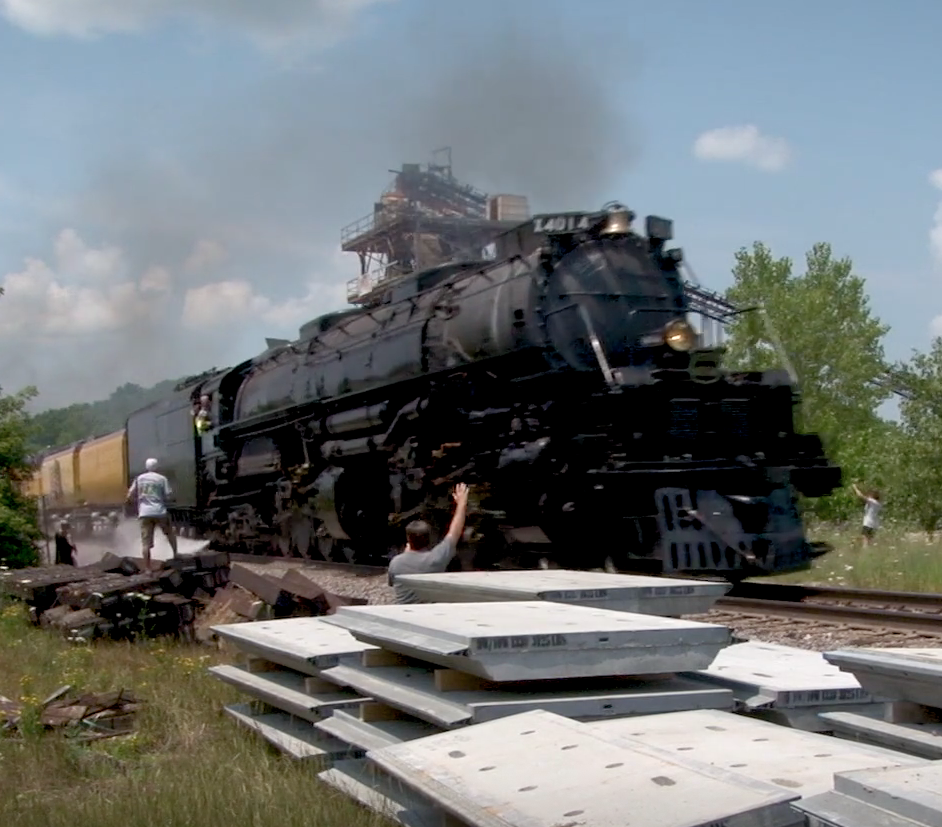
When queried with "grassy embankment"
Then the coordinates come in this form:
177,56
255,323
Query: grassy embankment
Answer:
898,561
189,765
186,765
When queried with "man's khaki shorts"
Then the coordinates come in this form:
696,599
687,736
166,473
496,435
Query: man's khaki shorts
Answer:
149,524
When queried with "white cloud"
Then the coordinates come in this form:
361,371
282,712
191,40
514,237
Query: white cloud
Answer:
75,258
207,255
745,144
231,302
935,231
85,319
222,302
85,290
156,280
273,25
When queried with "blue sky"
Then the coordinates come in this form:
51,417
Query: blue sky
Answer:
174,174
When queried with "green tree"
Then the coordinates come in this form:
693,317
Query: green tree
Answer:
62,426
19,530
820,326
918,487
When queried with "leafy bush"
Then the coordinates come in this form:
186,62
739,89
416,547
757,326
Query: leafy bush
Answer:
19,530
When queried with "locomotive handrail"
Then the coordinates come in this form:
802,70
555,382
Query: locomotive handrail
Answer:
367,223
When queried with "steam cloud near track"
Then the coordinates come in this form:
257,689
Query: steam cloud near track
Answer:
125,541
184,250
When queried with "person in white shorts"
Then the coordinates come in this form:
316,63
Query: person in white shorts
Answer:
872,507
152,491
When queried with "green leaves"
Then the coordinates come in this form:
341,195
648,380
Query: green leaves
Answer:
18,519
822,321
920,457
62,426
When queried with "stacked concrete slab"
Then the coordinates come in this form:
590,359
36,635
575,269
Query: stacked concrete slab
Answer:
884,797
535,713
534,640
452,665
795,760
318,687
436,667
910,675
707,754
789,686
911,681
662,596
280,664
538,769
717,765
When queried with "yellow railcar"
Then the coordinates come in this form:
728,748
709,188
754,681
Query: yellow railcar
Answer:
59,478
33,487
102,470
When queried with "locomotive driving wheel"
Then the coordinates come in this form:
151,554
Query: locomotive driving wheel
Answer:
569,529
353,504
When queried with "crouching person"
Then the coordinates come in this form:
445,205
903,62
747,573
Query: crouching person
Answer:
418,558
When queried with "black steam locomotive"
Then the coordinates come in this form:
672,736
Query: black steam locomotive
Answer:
562,380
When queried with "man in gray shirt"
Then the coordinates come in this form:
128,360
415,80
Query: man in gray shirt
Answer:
152,491
417,558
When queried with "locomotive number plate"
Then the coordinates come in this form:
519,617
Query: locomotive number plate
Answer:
569,223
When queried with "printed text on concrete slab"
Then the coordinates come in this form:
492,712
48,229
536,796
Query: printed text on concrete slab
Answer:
495,644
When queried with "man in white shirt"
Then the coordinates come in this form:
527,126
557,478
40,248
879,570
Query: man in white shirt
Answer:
152,491
872,508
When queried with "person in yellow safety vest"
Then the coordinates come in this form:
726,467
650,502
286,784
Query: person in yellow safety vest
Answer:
202,418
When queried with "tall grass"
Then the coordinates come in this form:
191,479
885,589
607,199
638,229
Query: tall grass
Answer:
187,765
897,561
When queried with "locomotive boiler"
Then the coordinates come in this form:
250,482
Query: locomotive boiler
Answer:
562,380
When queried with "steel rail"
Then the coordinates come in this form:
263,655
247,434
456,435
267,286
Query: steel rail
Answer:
356,569
785,592
888,619
898,611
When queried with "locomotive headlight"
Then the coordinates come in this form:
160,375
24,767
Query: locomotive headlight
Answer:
679,335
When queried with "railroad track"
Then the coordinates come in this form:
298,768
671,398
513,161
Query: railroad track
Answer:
354,569
872,608
916,612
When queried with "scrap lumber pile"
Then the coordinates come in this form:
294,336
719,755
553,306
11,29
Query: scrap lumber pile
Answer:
253,595
294,594
434,713
37,585
86,717
115,599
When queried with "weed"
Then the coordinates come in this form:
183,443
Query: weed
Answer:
897,561
186,765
